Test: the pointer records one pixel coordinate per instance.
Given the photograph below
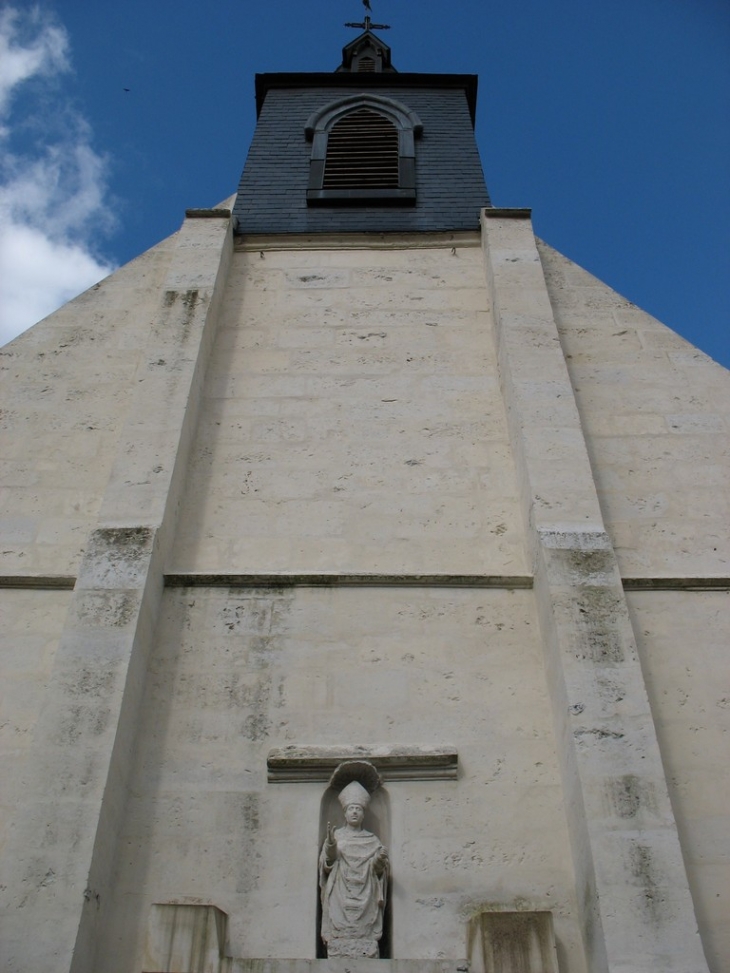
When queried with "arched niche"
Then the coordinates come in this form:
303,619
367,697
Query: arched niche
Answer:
377,819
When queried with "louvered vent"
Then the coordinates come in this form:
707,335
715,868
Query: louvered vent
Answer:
362,153
366,65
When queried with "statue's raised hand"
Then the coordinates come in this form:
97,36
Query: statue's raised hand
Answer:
329,849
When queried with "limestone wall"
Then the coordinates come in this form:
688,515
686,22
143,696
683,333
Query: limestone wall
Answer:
65,388
68,791
353,420
236,673
683,639
656,414
29,634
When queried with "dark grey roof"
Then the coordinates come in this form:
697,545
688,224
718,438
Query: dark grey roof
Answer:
272,194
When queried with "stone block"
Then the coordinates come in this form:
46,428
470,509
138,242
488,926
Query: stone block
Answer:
512,942
185,939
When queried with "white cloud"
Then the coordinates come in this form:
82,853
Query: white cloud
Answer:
53,200
40,276
28,46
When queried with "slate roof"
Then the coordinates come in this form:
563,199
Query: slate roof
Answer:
272,194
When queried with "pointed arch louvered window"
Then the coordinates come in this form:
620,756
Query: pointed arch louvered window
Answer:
363,153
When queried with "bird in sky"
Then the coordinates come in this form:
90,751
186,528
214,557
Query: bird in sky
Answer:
366,4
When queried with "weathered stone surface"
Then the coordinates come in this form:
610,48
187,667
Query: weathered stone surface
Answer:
683,640
342,382
602,718
75,786
66,387
656,412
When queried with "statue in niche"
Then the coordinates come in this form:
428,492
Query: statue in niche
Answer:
353,874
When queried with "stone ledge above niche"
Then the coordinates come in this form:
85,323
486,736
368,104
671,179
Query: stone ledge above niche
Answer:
296,764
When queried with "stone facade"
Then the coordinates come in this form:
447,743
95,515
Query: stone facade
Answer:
438,500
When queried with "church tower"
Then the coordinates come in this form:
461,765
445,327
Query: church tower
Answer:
364,583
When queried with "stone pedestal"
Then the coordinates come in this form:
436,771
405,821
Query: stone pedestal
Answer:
512,942
192,939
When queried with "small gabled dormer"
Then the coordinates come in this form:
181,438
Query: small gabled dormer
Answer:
367,54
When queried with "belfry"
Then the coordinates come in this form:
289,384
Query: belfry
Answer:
364,583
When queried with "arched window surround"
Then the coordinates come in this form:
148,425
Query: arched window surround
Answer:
409,128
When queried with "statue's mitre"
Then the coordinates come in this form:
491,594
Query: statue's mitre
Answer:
354,793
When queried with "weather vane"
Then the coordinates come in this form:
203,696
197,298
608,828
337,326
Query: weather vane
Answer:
368,24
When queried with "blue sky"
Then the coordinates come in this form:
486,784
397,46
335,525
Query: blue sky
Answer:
608,118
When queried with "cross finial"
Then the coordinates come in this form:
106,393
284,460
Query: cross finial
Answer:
368,24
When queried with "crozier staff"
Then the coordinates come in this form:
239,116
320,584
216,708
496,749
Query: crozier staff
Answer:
353,877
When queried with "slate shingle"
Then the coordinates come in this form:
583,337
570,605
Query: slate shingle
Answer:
272,194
